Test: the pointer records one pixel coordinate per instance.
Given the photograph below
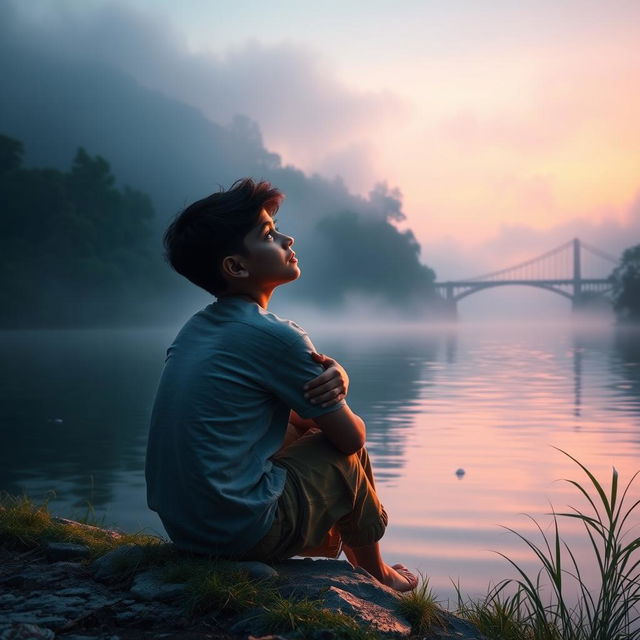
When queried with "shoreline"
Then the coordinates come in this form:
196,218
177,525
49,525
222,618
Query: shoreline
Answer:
76,581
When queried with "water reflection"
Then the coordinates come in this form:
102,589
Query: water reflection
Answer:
577,381
75,409
491,401
625,365
389,374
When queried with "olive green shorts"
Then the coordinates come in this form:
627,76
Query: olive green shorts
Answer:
329,498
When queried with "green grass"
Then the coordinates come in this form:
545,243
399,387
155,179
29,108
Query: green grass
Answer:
499,616
558,603
284,615
421,608
216,585
554,604
27,525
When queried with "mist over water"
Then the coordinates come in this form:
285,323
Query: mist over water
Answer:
491,401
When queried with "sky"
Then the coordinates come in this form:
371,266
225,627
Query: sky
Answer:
508,127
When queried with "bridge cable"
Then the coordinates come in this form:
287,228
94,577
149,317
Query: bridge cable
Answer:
599,252
521,265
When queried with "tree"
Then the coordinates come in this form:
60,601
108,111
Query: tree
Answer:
369,256
626,285
74,248
11,152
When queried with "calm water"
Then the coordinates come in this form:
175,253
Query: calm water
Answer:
491,401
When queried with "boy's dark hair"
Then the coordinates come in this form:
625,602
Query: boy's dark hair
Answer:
212,228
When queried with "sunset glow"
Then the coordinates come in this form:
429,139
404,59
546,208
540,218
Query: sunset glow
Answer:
485,117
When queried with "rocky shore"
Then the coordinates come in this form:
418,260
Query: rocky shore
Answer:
58,591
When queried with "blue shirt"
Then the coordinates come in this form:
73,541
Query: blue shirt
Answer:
231,377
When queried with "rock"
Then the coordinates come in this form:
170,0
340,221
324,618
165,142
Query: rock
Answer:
54,602
76,591
63,597
248,622
111,564
37,619
66,551
108,533
125,616
16,580
323,634
255,569
456,628
344,589
148,586
384,620
28,632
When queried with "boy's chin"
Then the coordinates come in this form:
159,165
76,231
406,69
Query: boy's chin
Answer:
294,275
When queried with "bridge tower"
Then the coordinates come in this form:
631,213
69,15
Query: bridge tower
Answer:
451,306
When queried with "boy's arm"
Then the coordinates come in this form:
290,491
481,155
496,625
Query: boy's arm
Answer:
343,428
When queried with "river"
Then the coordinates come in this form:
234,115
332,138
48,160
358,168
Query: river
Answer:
488,402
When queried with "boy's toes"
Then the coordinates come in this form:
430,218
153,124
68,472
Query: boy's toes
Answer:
410,578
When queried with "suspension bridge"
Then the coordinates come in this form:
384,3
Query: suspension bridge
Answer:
560,271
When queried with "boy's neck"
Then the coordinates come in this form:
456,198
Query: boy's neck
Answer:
261,298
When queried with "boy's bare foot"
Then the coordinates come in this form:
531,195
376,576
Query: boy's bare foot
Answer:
398,577
368,557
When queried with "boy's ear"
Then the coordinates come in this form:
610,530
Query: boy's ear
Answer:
234,267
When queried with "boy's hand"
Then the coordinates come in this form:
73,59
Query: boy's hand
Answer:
329,387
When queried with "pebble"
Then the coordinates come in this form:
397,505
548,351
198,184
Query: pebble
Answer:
257,570
28,632
110,564
149,586
33,617
66,550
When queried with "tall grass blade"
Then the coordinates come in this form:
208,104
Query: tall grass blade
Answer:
609,612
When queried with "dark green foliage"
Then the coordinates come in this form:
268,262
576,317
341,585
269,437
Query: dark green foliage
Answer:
11,152
26,525
74,248
626,285
369,255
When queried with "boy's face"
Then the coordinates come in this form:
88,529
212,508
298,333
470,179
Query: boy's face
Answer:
270,261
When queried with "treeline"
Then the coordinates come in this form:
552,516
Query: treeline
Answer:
626,286
74,248
77,250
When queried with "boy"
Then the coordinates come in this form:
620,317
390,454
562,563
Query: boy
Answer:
253,451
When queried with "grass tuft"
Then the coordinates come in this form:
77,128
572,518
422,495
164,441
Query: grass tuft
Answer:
214,585
573,608
498,616
608,612
27,525
283,615
421,608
